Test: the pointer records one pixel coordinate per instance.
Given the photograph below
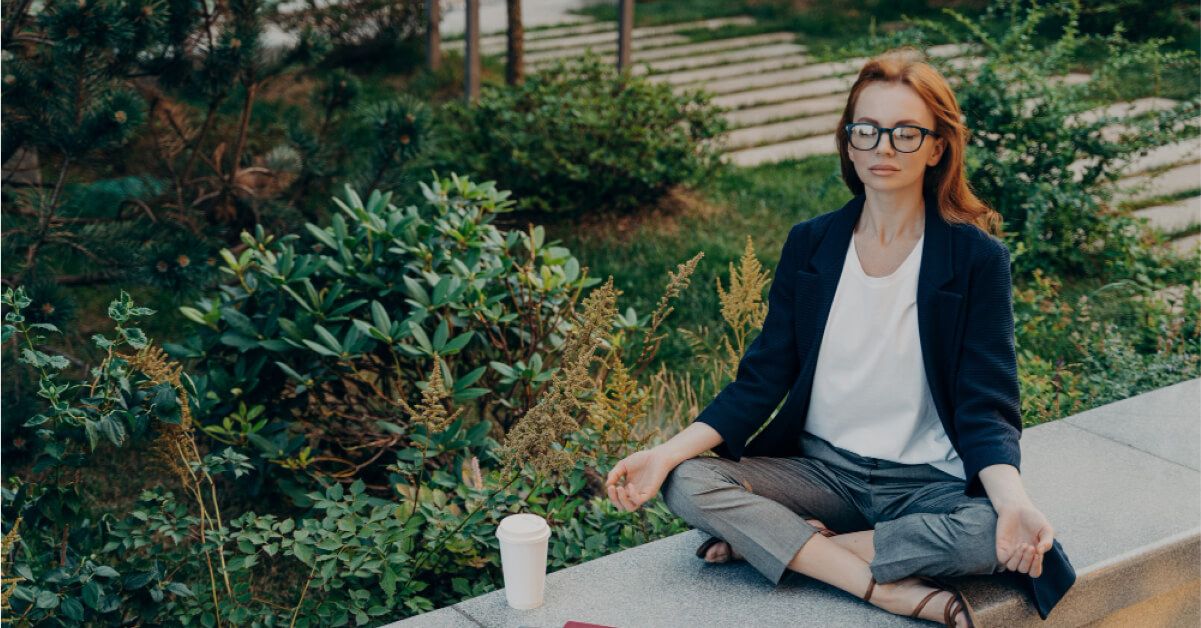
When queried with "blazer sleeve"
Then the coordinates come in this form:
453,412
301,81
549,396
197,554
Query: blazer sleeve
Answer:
766,370
988,414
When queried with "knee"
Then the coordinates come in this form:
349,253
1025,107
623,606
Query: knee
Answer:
975,532
686,481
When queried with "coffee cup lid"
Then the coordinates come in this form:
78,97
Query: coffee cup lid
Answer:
523,527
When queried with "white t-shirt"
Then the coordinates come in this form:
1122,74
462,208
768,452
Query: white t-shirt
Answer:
870,394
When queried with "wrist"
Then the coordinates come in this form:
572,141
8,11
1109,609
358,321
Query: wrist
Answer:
1011,502
669,453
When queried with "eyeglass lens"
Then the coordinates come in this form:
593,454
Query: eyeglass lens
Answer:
904,139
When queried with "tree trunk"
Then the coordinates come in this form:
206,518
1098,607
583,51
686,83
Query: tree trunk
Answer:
515,59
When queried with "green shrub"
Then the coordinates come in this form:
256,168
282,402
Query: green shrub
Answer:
305,352
348,555
580,137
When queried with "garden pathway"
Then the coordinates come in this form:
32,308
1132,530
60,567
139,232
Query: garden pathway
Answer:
781,104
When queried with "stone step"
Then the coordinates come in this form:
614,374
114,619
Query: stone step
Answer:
780,93
723,58
1127,109
1166,155
1187,245
546,41
704,78
785,110
1174,216
681,50
781,131
795,149
1158,157
608,44
555,32
800,87
1182,178
761,76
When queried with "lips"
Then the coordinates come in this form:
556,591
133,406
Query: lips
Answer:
884,169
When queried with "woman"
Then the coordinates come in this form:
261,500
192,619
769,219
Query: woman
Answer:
895,457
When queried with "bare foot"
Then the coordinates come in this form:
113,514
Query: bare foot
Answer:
902,596
721,552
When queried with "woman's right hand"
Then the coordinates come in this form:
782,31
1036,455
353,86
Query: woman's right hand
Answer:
644,472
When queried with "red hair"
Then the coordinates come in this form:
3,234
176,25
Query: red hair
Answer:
945,180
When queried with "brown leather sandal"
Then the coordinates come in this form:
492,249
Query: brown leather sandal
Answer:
956,605
709,542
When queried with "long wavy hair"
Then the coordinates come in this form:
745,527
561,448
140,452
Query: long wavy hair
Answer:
945,180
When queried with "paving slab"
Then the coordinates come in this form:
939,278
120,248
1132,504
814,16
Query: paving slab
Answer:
795,149
757,76
1165,423
784,111
782,131
1126,109
1181,152
1112,503
680,50
704,78
781,93
1188,244
809,71
1173,216
1182,178
494,16
567,40
725,57
607,43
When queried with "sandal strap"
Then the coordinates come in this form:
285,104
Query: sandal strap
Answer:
870,586
918,611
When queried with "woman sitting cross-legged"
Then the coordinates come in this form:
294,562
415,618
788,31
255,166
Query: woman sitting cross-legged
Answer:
894,460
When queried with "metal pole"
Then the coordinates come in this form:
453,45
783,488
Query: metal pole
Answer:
625,27
433,38
471,87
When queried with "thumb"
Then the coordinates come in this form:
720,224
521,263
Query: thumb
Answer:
1045,535
618,470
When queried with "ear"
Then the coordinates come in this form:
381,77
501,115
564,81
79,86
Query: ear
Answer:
936,154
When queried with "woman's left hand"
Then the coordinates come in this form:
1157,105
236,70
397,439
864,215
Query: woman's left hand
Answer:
1023,535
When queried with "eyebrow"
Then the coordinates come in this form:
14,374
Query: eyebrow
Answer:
874,121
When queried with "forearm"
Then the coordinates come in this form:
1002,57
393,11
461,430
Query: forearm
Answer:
1004,486
691,441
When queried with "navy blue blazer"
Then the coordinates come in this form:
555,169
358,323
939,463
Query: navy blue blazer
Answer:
966,332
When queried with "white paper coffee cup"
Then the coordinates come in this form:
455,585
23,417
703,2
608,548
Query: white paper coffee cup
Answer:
524,539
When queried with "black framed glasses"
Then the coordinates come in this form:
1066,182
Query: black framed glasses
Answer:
905,138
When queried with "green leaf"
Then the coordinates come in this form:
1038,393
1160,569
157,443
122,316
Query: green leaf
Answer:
104,571
47,599
72,608
92,593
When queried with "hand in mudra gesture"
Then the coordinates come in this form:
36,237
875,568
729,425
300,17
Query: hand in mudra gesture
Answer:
643,472
1023,535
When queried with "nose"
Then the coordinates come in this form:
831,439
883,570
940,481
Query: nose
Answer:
884,146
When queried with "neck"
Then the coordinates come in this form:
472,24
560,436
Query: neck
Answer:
888,215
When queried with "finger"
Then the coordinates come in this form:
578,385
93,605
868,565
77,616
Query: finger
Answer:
1036,569
1014,559
1027,559
1003,554
625,499
609,488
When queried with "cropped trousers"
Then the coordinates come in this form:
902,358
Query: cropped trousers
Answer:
923,522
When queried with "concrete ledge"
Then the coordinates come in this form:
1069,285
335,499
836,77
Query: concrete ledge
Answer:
1120,483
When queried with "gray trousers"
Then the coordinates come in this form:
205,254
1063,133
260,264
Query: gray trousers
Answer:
924,524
